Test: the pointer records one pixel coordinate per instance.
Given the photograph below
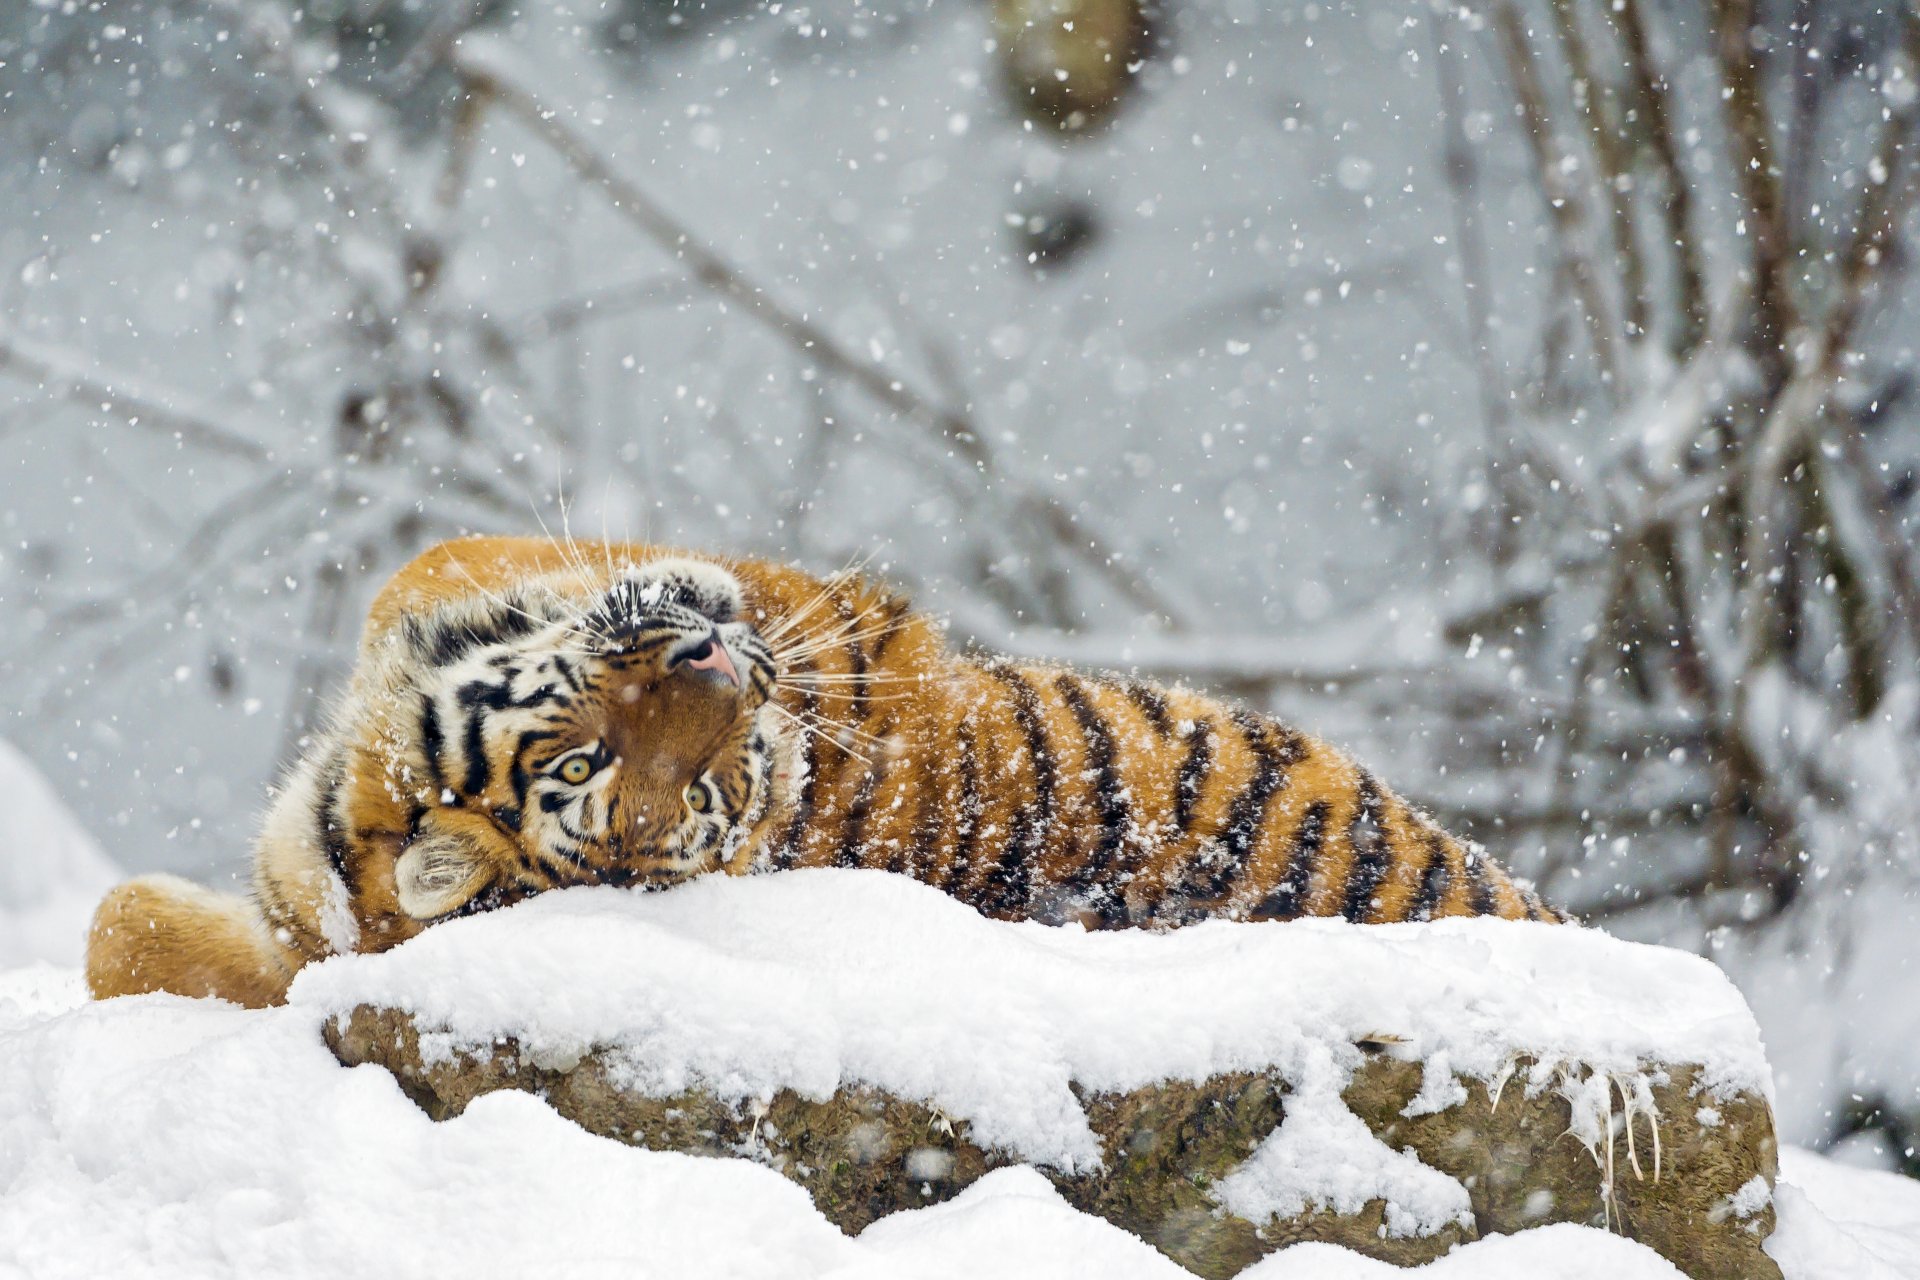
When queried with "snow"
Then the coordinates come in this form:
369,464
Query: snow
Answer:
52,875
1324,1156
1253,384
160,1136
163,1137
1844,1223
812,979
1563,1252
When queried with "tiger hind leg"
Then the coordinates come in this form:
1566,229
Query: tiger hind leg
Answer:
163,933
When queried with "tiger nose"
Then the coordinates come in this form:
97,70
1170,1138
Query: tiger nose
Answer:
709,654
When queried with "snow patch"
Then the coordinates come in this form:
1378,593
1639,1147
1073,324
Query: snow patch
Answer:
1324,1157
1440,1089
1838,1222
1753,1196
338,924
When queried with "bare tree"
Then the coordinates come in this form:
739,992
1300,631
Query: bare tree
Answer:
1703,479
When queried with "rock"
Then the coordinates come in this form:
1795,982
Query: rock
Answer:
1697,1197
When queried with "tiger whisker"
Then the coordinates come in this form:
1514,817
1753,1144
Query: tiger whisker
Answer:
846,694
511,607
822,733
832,583
842,730
792,620
839,624
849,677
570,550
844,689
566,532
836,639
821,718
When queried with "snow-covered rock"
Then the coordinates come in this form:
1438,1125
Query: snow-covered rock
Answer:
52,875
1218,1091
163,1137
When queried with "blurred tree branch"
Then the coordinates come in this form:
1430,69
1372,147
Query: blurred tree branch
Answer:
487,82
137,402
1743,552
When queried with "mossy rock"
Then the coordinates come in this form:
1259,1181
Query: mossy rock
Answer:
862,1154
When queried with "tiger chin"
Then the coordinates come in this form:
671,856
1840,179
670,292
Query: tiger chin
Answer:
526,714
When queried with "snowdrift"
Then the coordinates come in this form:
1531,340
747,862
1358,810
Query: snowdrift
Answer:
1218,1092
52,875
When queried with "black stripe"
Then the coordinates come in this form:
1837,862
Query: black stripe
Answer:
896,610
1372,852
1433,880
966,825
522,779
1288,898
332,828
564,857
1247,817
621,617
1009,886
853,827
616,875
1193,772
1480,887
787,851
1152,704
856,666
445,644
478,768
1109,796
478,697
432,743
927,822
491,898
641,648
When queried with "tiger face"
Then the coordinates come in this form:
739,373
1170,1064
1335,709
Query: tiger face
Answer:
617,735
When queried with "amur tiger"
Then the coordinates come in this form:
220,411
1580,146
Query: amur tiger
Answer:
526,714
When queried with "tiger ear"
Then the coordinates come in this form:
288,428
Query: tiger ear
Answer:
450,862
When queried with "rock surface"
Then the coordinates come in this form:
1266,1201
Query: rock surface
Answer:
1688,1175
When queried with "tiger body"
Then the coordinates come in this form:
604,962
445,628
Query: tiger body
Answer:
526,715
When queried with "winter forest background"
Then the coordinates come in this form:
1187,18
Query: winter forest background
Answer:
1521,394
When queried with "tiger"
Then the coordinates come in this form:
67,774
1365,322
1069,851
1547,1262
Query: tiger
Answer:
526,714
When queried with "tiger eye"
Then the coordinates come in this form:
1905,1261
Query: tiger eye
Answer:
697,798
577,770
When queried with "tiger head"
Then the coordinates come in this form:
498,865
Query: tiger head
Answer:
618,730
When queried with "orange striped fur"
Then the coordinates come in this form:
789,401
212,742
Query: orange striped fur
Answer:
745,716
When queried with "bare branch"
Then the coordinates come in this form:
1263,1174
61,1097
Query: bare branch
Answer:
1750,140
1890,185
569,314
711,269
1564,207
1590,98
135,402
1470,248
714,272
1651,96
